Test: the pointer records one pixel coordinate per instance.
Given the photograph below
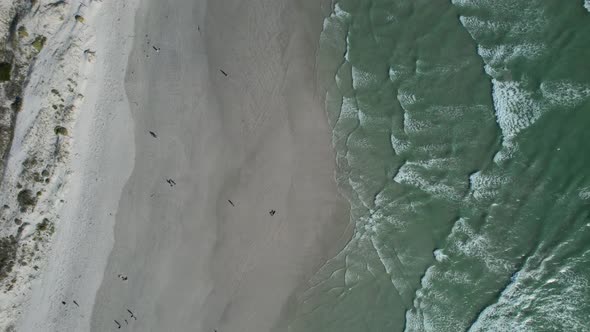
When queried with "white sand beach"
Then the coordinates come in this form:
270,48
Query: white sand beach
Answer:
202,193
257,137
101,161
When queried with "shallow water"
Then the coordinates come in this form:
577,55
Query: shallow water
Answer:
460,129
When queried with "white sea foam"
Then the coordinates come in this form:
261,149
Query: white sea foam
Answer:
513,29
440,164
347,53
500,7
473,3
406,99
364,119
341,13
434,149
485,185
415,126
431,304
564,93
424,67
439,255
391,264
552,301
398,72
351,277
475,245
362,79
343,77
496,57
516,108
584,193
457,112
477,26
429,314
391,18
410,174
349,109
399,145
332,34
587,5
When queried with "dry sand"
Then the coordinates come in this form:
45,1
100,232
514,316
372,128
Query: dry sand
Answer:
258,137
101,161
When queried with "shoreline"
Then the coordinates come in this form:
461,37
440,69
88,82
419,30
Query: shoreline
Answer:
316,227
240,96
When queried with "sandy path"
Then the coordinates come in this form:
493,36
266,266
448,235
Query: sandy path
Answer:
258,137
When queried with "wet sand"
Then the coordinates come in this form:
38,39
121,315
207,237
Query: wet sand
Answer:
229,90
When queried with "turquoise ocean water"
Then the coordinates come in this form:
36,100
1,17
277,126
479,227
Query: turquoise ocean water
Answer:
462,131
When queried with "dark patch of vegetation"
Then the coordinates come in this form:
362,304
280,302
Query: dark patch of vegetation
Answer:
26,198
17,104
12,28
5,69
29,162
43,225
55,4
39,42
59,130
37,177
13,89
8,248
22,32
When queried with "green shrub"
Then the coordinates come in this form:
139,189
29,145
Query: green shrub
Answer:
22,32
59,130
26,198
39,42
